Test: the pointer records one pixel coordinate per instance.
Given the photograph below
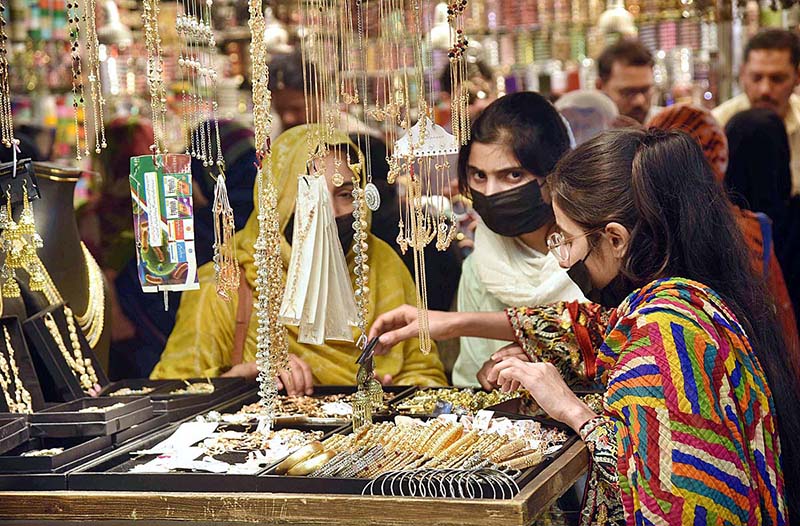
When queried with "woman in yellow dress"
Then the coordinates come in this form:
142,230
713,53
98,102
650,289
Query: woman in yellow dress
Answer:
203,341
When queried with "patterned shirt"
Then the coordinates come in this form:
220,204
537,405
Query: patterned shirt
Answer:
689,417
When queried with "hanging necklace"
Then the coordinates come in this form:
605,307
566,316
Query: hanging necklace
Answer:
196,63
23,402
95,86
6,118
78,92
80,367
271,341
155,75
92,321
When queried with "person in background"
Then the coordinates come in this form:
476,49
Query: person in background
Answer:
480,83
289,81
207,337
515,143
239,152
625,74
759,178
106,226
768,77
756,227
700,421
588,113
441,267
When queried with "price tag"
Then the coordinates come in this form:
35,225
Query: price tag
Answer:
482,419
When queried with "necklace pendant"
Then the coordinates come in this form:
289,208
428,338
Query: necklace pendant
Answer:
372,197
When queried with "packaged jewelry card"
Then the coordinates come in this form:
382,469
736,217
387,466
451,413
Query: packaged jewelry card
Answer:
21,391
163,222
65,356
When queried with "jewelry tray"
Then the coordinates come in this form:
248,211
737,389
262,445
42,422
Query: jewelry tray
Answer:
75,449
271,482
156,385
13,432
24,361
110,473
398,392
67,386
66,420
408,395
180,406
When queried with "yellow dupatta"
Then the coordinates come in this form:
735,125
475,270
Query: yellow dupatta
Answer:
201,343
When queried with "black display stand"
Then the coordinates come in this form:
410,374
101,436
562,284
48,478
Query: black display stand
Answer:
67,385
24,361
72,420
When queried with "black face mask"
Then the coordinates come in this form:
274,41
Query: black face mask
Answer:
344,227
344,224
513,212
610,296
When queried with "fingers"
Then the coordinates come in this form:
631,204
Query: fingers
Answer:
279,383
387,379
389,321
286,378
510,351
485,383
392,338
306,383
494,372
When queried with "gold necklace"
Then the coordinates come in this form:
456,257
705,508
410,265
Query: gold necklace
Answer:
6,118
75,361
155,75
23,404
95,85
92,321
272,345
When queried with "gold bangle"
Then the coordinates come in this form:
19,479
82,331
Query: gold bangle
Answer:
309,450
312,464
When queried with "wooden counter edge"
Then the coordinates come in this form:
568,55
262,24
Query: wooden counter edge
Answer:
553,481
293,508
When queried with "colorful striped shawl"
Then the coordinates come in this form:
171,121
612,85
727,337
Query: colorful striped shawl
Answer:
697,438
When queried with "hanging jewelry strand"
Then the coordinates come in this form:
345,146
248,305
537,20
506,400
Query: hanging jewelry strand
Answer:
271,340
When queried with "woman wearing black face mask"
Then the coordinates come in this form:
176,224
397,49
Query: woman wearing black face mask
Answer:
515,144
700,421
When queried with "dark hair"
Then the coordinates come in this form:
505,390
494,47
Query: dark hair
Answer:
759,174
475,69
528,124
685,230
628,52
286,71
777,39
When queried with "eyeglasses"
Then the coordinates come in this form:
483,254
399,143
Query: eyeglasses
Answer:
560,246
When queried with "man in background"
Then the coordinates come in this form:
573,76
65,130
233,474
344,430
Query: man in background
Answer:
625,74
768,77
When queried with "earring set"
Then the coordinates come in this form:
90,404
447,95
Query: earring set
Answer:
19,243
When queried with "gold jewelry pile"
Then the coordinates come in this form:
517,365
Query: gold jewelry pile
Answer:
127,391
238,442
310,406
104,409
43,452
381,448
464,401
194,389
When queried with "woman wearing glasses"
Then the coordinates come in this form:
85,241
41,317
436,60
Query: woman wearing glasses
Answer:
700,422
516,141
